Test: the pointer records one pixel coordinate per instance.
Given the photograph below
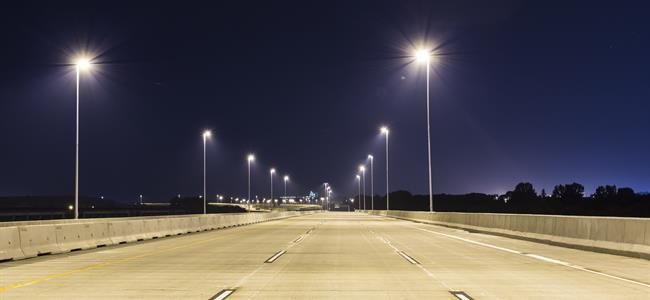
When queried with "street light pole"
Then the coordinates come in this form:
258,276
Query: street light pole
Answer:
81,63
251,158
425,57
206,135
372,182
362,169
385,131
359,182
429,141
329,195
286,178
272,172
76,156
326,200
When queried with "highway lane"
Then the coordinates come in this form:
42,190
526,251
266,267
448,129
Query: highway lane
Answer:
329,256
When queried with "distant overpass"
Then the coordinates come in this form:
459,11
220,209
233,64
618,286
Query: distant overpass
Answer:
327,256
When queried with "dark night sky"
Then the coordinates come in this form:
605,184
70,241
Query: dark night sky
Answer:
522,91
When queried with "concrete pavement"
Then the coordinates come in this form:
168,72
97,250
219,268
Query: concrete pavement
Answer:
329,256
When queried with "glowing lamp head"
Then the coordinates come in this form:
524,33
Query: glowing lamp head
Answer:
83,63
207,134
362,169
272,171
384,130
251,157
286,177
422,55
358,177
370,157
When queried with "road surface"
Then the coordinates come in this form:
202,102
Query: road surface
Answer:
329,256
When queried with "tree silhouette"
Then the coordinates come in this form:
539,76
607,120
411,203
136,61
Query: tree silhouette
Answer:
625,193
522,198
569,192
607,192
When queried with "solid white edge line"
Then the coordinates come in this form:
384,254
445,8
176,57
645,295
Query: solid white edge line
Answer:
471,241
610,276
224,294
539,257
546,259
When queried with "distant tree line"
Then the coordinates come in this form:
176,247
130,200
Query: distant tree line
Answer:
23,208
565,199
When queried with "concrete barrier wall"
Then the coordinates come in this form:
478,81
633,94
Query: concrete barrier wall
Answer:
30,239
71,237
624,236
10,244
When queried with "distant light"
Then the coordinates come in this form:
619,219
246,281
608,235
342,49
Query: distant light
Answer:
70,207
362,168
207,133
358,176
83,63
272,170
251,157
422,55
286,177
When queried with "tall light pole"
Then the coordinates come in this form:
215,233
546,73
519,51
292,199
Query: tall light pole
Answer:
372,181
362,169
385,131
425,56
272,172
286,178
206,136
251,158
329,195
81,64
325,186
359,182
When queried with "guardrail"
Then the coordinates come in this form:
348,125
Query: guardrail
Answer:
621,236
20,240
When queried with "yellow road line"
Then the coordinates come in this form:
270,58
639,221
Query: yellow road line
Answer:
103,264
